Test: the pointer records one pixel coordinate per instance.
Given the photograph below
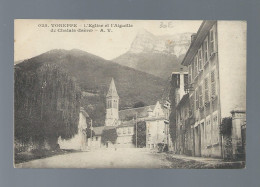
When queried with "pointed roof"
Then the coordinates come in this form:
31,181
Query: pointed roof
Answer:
112,90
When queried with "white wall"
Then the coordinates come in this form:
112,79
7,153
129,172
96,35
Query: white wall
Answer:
79,141
232,65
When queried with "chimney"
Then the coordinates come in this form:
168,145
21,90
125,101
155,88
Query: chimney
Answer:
193,37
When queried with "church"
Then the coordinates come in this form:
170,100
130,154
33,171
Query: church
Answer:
123,122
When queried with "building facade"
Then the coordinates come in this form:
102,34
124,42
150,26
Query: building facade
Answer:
216,61
184,134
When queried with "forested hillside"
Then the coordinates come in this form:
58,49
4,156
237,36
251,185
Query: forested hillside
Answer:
93,75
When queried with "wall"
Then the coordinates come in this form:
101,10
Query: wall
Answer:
156,131
79,141
125,140
232,65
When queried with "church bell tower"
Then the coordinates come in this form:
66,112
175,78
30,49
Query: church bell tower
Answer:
112,102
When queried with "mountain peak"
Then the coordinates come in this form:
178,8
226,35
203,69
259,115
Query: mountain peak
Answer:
143,32
157,55
146,42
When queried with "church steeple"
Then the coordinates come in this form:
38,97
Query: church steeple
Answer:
112,102
112,90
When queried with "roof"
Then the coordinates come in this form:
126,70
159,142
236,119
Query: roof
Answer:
99,130
131,113
127,123
201,34
112,89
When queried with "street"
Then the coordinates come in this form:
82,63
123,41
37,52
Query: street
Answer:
103,158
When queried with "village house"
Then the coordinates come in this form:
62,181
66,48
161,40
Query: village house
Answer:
216,61
124,123
178,82
184,134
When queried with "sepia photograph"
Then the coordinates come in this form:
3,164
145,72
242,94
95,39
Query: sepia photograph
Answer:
167,94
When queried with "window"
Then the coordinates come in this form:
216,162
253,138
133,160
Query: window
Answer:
215,129
193,70
185,79
200,97
200,59
208,130
197,99
115,104
196,66
206,86
96,138
212,40
124,130
109,104
205,50
149,137
190,73
213,84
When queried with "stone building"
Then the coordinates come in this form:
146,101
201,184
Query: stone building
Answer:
216,61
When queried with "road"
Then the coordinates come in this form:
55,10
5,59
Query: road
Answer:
104,158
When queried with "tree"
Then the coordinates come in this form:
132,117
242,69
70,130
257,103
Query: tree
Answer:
139,104
172,117
141,134
109,135
47,104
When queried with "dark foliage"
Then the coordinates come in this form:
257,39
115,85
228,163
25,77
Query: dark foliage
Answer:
172,117
139,104
226,126
162,147
46,104
141,134
109,135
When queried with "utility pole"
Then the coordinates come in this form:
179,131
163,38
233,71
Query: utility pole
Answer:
136,130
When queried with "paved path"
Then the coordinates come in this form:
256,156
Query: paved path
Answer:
106,158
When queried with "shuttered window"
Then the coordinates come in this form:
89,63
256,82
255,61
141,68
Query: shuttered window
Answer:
196,65
197,99
215,127
200,59
206,86
205,50
200,97
213,83
212,40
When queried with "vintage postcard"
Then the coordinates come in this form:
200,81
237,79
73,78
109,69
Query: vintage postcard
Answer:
129,93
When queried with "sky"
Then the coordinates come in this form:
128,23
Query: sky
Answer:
34,37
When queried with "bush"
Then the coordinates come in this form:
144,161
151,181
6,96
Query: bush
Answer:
225,127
